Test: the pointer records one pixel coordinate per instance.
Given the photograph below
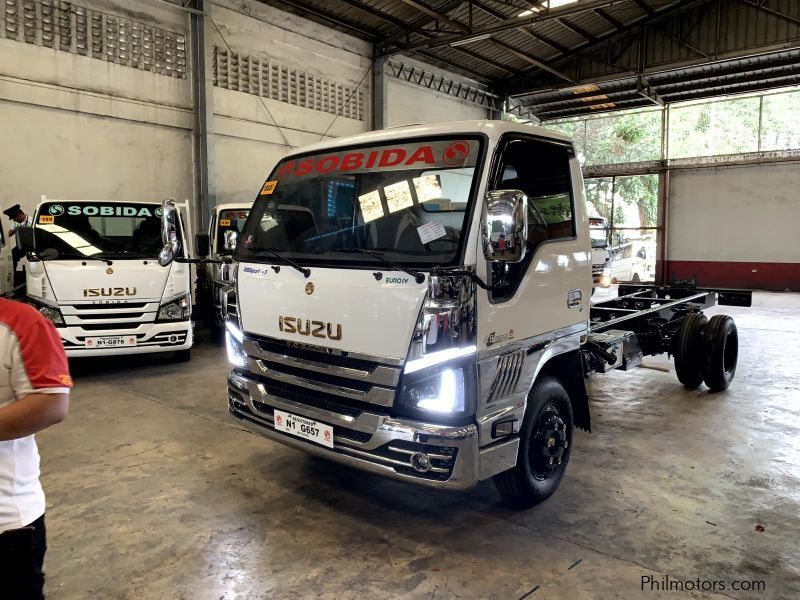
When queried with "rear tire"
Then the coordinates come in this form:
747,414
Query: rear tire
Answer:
183,356
544,448
688,350
721,353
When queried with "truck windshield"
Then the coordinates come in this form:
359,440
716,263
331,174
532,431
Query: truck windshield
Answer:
78,230
407,200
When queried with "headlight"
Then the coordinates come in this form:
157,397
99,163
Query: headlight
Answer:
233,341
53,314
177,310
50,312
445,389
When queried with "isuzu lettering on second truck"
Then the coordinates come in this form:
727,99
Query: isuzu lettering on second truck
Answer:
414,302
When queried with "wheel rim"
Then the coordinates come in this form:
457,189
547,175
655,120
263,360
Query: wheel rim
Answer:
548,443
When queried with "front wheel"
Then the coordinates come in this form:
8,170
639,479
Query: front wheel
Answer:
544,448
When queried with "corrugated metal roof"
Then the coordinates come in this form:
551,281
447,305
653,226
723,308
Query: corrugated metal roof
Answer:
636,52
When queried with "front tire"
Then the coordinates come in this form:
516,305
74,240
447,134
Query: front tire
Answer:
544,448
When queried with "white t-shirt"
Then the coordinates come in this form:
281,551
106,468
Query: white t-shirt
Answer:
32,360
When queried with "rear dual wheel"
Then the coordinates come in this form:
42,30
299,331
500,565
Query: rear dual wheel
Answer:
706,350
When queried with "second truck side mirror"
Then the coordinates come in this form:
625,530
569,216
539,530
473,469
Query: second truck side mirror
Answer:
504,226
169,233
231,237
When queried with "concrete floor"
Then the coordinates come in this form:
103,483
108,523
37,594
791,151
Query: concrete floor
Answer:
154,493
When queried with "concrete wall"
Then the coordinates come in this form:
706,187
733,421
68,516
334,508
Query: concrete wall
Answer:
736,226
79,127
248,142
407,103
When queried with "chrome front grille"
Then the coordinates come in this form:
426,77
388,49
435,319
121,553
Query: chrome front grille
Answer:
509,368
310,373
123,315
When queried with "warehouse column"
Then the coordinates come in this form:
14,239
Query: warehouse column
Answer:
378,91
203,94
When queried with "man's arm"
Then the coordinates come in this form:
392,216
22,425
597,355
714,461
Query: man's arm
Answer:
32,413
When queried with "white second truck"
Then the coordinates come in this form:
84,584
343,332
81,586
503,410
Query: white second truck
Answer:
93,271
414,302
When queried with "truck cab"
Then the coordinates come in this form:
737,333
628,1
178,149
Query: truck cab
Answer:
215,280
412,302
93,271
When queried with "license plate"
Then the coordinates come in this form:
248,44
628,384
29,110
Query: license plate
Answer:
117,341
304,428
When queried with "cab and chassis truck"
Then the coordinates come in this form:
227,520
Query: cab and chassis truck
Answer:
440,347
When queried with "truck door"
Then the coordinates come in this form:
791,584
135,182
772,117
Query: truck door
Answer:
549,290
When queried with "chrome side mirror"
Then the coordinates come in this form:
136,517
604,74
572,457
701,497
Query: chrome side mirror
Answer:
169,233
231,237
504,226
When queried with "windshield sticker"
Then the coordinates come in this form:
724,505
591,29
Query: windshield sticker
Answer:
47,219
431,231
95,210
224,222
56,210
428,188
398,196
442,154
268,188
371,206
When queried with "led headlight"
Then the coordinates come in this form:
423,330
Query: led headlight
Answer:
444,389
177,310
233,341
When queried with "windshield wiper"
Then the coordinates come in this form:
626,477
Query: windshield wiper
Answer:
418,277
45,255
306,272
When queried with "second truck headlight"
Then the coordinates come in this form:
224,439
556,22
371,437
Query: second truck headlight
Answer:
176,310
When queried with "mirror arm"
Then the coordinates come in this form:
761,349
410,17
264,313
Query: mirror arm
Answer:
465,273
203,261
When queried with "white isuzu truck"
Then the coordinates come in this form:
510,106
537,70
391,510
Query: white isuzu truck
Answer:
414,302
93,271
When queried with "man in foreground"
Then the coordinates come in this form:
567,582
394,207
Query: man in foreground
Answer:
34,394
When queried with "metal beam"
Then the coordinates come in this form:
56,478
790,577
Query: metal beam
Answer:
645,7
662,12
515,22
419,23
436,15
379,120
203,97
309,9
771,11
379,14
615,23
580,31
526,30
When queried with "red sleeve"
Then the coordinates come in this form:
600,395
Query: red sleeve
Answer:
40,345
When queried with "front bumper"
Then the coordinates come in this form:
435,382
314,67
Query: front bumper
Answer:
376,442
150,337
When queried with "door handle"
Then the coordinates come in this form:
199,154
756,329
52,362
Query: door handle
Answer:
574,298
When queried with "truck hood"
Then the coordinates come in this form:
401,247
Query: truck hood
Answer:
370,316
127,280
